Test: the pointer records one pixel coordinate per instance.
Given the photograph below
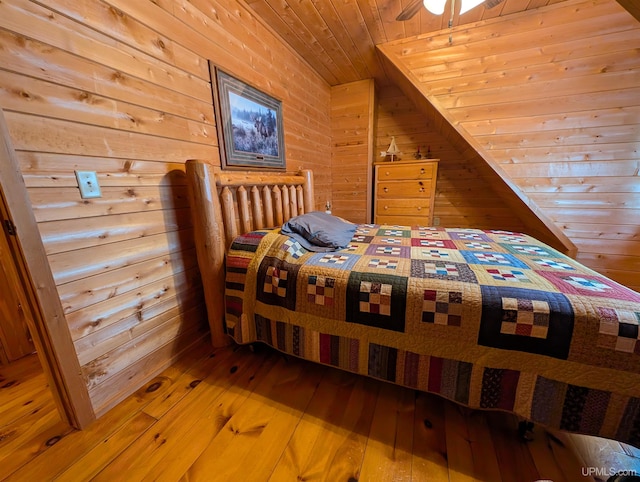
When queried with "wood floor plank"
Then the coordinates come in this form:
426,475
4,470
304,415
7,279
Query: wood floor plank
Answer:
485,462
276,435
235,414
388,455
195,441
549,460
296,461
429,439
513,455
195,367
29,419
23,406
459,451
33,438
230,374
329,441
78,443
342,445
17,395
96,459
262,425
15,431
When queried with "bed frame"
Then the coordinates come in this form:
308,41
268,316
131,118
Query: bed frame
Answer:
225,204
537,383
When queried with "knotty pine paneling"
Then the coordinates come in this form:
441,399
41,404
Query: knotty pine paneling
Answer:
552,98
338,37
123,88
536,223
15,338
463,197
352,133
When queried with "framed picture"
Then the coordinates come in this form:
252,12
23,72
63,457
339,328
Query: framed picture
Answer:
249,124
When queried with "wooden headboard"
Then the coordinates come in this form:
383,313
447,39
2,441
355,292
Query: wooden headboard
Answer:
225,204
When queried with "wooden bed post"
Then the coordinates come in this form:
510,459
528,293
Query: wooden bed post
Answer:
207,226
309,203
214,220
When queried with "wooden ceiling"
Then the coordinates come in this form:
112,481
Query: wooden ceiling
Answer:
338,37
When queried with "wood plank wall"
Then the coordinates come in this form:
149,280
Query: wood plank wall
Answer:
352,143
123,88
15,339
464,198
553,96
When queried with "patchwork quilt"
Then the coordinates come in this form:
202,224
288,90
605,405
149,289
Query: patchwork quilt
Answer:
488,319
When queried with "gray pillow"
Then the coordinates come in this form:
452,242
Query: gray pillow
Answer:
319,231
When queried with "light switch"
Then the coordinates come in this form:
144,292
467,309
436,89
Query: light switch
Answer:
88,184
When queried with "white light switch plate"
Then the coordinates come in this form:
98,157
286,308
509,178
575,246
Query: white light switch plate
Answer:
88,184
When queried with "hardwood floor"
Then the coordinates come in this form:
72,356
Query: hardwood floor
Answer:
232,414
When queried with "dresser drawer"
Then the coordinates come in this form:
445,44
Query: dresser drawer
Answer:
404,189
403,220
403,207
399,171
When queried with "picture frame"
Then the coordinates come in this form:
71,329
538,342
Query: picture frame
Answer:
249,124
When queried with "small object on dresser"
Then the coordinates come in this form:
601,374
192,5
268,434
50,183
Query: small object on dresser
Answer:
327,207
392,150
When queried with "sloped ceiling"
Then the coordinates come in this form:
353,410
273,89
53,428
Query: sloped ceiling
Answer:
338,38
546,93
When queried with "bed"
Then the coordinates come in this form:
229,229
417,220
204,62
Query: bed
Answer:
489,319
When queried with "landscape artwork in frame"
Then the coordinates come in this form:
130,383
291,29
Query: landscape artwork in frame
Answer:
249,124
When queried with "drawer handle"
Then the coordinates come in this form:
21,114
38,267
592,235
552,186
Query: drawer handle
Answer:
385,189
386,173
421,189
386,207
422,171
419,208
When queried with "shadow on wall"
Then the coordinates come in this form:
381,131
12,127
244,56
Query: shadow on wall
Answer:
187,314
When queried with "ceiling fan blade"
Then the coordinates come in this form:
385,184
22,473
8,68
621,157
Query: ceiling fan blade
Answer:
410,10
492,3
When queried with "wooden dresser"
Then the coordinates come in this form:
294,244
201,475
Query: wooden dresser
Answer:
404,192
